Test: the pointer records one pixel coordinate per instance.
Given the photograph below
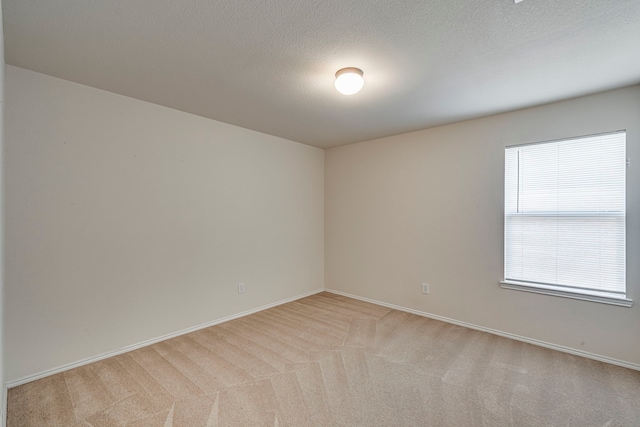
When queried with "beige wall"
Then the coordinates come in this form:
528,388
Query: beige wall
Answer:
127,221
427,207
3,396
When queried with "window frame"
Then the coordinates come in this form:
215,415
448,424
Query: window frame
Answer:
573,292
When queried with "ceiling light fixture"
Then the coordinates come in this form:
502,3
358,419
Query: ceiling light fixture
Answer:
349,80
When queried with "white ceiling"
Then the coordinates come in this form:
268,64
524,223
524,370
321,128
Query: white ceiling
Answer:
269,65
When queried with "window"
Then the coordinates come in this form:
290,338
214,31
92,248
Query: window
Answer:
564,218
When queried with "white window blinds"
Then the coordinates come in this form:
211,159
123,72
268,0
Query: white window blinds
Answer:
565,214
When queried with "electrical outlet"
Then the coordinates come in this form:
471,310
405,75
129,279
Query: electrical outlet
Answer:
241,288
425,288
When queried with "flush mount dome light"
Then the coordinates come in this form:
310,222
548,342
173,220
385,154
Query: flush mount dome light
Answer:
349,80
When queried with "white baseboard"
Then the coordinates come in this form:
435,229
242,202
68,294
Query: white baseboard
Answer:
496,332
132,347
3,413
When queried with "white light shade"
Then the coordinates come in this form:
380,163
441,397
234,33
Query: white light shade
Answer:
349,80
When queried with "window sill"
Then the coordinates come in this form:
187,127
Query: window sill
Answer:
601,297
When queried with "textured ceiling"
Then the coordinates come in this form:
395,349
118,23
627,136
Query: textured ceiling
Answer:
268,65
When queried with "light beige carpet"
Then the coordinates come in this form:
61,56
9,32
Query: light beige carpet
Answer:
327,360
